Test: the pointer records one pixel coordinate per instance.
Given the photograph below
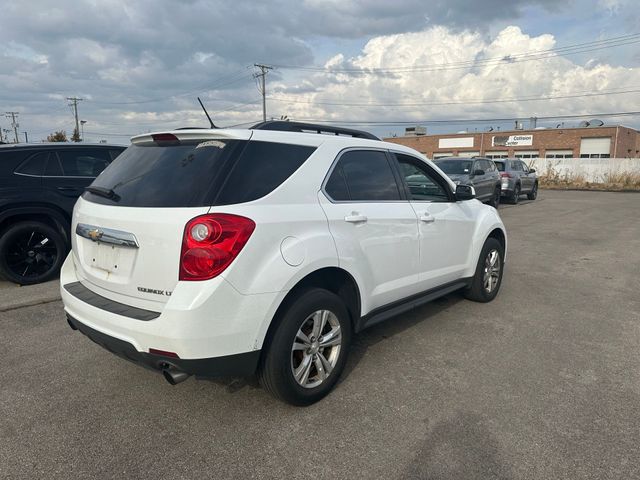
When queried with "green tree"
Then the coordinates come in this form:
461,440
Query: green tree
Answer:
59,136
76,136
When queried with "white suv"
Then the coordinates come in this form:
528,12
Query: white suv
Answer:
232,252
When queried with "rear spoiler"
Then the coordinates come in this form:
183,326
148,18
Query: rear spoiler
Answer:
186,135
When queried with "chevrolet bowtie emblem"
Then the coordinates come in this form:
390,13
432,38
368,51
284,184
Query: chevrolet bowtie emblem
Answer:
95,234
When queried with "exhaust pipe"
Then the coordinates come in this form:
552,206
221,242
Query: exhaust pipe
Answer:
174,376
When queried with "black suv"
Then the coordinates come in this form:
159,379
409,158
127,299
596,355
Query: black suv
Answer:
39,185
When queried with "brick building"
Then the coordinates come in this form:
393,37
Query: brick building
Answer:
583,142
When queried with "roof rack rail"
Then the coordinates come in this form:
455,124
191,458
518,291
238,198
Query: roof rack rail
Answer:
286,126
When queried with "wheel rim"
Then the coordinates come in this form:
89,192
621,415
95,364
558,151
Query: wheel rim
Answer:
32,254
492,268
316,348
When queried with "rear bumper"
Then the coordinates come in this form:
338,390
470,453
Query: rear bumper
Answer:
242,364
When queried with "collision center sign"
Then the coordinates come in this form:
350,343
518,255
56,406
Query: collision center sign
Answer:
512,141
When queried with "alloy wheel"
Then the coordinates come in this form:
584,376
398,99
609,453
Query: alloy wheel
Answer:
32,254
316,348
492,266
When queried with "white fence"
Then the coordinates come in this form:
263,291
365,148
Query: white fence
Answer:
595,170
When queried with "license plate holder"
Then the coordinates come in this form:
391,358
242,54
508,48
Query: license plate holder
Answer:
105,257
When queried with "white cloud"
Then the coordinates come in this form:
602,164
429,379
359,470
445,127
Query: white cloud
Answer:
554,76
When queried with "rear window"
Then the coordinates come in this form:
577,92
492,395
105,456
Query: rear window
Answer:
455,167
500,166
198,174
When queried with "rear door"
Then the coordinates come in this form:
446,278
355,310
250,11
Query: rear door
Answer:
374,227
482,183
445,226
69,171
527,178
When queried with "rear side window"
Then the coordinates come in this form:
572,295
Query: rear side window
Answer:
362,175
197,174
260,169
34,165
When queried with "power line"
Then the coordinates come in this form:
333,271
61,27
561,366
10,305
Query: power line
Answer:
467,120
209,86
508,59
468,102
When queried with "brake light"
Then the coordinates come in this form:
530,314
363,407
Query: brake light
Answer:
165,139
211,242
505,174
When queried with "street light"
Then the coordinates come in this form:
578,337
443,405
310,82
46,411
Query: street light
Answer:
82,122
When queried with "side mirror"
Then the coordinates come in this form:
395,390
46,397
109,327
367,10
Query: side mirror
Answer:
478,172
532,170
465,192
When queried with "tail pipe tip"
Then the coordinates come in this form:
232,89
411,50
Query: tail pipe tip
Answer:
174,376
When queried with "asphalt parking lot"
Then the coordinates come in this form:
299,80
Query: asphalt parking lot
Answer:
544,382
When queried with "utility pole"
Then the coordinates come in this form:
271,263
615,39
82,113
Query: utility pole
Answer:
74,102
14,123
263,73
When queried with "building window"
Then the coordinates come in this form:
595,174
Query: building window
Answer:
497,155
559,154
595,155
527,154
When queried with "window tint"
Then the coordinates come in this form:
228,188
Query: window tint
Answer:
500,166
114,153
260,169
195,174
455,167
34,165
336,186
53,167
81,162
368,176
421,183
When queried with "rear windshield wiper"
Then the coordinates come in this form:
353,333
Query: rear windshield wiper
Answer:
104,192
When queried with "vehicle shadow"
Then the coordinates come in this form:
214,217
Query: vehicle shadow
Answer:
362,341
393,326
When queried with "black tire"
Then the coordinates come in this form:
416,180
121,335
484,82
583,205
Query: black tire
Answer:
533,194
495,200
515,197
477,291
31,252
276,371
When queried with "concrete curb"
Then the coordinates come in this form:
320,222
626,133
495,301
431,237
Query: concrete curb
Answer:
14,296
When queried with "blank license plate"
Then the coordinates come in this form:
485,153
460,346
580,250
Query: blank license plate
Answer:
105,257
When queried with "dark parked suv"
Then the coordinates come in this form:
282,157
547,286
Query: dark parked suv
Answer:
39,185
479,172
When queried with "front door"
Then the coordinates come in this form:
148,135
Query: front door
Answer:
445,225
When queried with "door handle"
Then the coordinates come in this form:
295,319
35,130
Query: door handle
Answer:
67,189
426,218
355,217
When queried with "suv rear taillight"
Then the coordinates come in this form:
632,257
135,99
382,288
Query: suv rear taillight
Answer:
505,175
211,242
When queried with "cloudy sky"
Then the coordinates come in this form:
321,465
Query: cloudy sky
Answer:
139,65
